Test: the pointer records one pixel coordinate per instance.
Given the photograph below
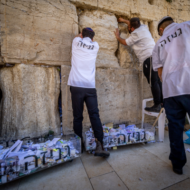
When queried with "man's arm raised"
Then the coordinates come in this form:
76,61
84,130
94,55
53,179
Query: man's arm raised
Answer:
78,35
117,35
124,21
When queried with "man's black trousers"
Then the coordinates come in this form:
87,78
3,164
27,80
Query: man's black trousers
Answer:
176,109
156,85
89,96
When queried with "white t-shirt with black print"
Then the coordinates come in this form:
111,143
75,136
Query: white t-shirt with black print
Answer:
84,53
172,52
141,42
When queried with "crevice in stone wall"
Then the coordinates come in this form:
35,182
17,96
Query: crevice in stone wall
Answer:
151,2
153,30
60,100
116,52
150,27
133,62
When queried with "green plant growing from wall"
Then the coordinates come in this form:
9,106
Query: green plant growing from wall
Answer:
169,1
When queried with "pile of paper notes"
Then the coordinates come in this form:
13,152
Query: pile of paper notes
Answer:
119,135
25,158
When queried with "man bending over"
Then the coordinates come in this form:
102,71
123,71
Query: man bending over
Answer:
143,45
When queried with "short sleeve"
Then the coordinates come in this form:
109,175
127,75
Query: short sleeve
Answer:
76,41
156,63
132,39
187,24
97,46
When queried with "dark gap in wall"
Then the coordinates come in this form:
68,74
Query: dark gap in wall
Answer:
60,100
116,53
151,2
150,26
1,96
125,17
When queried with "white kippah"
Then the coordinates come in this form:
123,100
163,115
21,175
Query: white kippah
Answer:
163,20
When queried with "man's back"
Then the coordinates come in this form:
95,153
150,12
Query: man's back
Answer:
142,42
174,57
84,53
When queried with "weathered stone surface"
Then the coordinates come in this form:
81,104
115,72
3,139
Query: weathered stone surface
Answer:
153,30
120,7
178,10
85,3
41,32
30,100
141,8
67,114
104,25
125,54
118,97
38,32
149,12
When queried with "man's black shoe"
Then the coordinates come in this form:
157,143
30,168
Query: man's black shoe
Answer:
154,108
178,171
100,151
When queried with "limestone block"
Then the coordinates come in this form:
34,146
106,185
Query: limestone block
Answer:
118,93
38,32
120,7
85,3
30,100
104,25
125,54
153,30
184,15
129,8
150,12
67,114
178,10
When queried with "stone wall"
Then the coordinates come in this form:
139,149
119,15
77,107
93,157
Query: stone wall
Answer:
35,34
29,105
37,31
103,24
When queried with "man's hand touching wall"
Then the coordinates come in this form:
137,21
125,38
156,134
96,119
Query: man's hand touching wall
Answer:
117,35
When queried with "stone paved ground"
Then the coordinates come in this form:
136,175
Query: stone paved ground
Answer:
135,167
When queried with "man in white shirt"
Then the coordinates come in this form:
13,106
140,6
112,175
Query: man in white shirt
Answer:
82,86
171,57
143,44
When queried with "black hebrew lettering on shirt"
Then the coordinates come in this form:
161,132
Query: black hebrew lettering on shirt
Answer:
163,42
171,37
83,45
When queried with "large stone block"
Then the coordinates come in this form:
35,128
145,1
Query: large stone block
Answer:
154,31
149,12
85,3
145,9
39,32
120,7
67,114
30,100
178,10
104,25
125,54
119,97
